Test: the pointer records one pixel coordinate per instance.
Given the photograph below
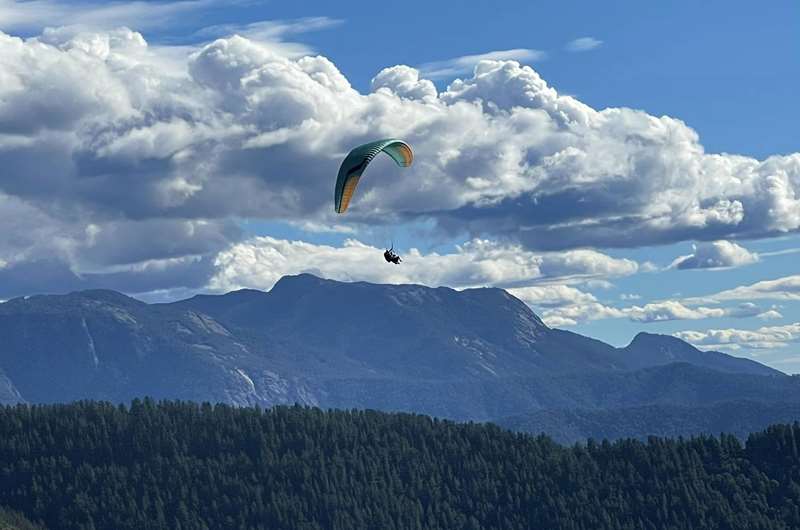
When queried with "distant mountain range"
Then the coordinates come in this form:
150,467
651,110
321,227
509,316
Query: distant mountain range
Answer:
737,417
477,354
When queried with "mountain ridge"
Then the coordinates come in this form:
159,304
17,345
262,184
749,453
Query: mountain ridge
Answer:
631,354
476,354
737,417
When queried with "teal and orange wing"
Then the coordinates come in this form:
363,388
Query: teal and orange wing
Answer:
356,162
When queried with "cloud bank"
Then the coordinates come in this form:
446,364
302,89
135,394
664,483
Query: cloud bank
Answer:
785,288
105,139
259,262
574,308
759,339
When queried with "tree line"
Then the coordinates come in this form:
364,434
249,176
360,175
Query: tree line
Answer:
179,465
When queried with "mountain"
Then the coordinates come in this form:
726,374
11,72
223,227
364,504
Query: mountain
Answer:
648,349
424,332
737,417
104,345
476,354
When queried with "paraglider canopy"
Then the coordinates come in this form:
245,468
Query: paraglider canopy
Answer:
356,162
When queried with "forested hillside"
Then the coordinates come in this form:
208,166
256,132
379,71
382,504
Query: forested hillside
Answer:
181,465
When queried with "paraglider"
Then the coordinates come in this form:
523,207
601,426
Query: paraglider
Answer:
356,162
391,257
353,167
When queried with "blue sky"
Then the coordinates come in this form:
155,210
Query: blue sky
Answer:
594,221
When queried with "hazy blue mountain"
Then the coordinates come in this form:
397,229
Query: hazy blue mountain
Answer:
737,417
441,333
475,354
648,349
104,345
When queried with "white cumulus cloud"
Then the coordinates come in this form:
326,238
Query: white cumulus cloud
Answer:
785,288
168,137
573,309
770,337
716,255
260,261
465,63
